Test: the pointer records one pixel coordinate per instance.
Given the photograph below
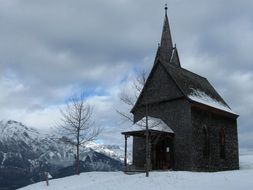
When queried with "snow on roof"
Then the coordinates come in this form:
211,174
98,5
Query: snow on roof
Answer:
153,124
173,51
201,97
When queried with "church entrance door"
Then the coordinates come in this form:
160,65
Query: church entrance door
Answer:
162,154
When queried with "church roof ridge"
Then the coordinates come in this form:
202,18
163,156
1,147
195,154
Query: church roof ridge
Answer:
186,70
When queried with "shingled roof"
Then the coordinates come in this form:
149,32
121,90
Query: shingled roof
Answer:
194,87
188,81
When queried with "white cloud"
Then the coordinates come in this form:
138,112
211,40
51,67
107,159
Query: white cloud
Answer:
51,49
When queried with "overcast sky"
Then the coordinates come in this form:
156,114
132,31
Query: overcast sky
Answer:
50,49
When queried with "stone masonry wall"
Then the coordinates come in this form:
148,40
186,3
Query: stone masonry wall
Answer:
176,114
214,123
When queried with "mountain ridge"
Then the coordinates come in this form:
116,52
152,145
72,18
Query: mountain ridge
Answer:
26,153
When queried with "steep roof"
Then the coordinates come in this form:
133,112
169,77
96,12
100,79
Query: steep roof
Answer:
189,81
194,87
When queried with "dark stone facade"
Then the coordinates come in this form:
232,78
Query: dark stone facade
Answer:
178,120
187,124
214,124
166,94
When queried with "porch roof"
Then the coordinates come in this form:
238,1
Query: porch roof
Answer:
155,126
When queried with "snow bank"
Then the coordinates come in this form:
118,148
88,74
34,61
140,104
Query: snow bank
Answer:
232,180
202,97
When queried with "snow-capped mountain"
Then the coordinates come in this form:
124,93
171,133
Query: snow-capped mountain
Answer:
26,153
113,151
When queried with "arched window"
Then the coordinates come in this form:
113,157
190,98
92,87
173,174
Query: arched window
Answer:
222,144
206,148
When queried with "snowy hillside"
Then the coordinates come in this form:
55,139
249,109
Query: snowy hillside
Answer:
227,180
25,153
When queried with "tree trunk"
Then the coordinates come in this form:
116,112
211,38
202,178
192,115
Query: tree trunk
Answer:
77,150
147,144
77,160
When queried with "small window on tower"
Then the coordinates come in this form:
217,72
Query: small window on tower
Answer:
206,148
222,144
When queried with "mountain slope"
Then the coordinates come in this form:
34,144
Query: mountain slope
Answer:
26,153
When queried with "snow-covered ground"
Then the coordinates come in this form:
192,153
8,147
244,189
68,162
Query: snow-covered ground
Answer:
240,179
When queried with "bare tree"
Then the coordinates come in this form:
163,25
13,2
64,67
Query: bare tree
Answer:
77,125
130,99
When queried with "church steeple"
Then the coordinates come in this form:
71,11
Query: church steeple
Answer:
166,44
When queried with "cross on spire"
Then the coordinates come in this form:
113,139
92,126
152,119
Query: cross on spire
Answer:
165,8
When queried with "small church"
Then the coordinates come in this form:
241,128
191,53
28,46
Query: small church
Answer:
190,126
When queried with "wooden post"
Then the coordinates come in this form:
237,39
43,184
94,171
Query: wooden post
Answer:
125,159
147,143
46,178
149,151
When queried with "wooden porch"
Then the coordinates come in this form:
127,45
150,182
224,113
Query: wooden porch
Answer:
160,148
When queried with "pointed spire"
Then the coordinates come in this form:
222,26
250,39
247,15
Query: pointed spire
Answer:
166,40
